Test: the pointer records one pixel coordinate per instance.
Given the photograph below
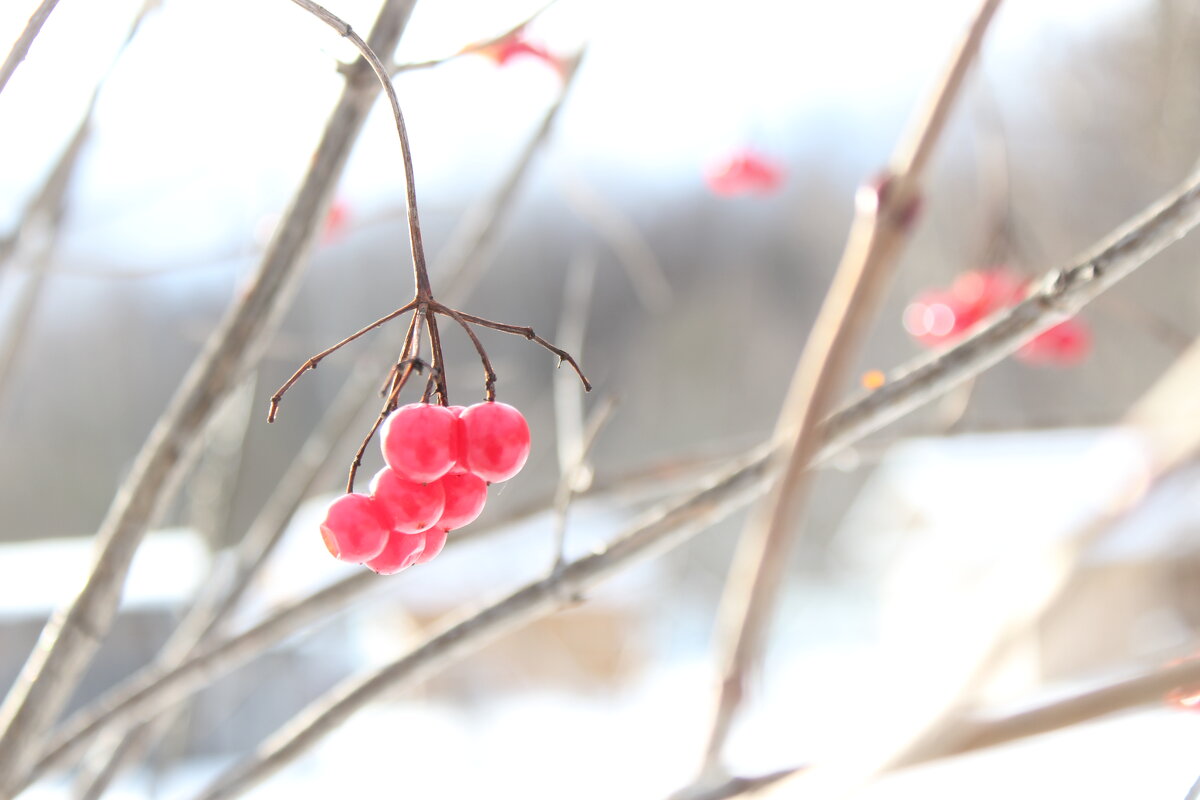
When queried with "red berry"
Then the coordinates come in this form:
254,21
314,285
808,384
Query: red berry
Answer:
435,540
1065,344
355,528
411,507
744,172
939,317
460,454
420,441
497,440
465,497
935,318
516,46
402,550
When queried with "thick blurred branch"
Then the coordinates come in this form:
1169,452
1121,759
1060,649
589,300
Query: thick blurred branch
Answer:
21,47
32,242
70,639
884,218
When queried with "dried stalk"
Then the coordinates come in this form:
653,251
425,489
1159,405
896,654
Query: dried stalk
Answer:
73,634
884,218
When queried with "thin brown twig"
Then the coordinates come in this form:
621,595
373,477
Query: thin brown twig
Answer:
71,637
410,358
528,333
489,374
328,351
884,218
420,273
21,47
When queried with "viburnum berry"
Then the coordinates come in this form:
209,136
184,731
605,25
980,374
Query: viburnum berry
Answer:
460,456
402,550
465,498
355,528
435,540
497,440
940,317
1066,344
517,46
420,441
410,507
744,172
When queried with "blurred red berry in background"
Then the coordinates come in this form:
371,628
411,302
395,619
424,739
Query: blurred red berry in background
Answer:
939,317
744,172
517,46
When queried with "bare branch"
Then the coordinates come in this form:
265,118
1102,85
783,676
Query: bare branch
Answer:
73,634
368,52
627,242
884,218
21,47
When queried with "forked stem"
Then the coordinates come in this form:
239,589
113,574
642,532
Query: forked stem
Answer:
528,333
489,374
319,357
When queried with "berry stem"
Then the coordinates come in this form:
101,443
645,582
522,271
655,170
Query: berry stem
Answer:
489,374
437,371
528,333
319,357
410,359
420,272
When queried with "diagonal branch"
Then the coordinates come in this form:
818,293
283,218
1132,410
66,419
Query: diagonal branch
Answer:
70,639
21,47
884,218
528,333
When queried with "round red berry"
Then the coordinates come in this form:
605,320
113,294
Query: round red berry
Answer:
1064,345
435,540
402,550
410,507
420,441
497,440
355,528
465,497
460,457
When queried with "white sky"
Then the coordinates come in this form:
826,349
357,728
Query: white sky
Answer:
209,117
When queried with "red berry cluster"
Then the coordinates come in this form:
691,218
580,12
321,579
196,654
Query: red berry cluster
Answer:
940,317
440,460
744,172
